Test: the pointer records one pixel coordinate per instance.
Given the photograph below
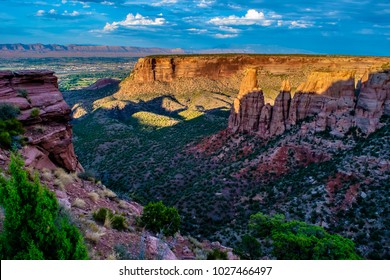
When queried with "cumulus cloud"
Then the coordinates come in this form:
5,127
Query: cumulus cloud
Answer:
252,17
133,21
40,13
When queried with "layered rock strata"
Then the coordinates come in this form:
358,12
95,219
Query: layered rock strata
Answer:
216,67
330,97
45,116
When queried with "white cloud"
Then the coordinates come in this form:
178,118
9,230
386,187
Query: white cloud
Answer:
64,1
229,29
224,36
205,3
40,13
165,2
72,14
300,24
52,12
108,3
197,30
252,17
132,21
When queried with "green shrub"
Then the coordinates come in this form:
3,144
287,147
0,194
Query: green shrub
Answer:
106,216
34,228
294,240
10,127
217,255
23,92
118,222
102,215
157,217
35,112
249,248
8,111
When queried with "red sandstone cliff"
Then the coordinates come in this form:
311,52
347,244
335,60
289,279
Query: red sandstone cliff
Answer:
45,116
169,68
329,97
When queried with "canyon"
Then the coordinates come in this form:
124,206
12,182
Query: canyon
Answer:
220,137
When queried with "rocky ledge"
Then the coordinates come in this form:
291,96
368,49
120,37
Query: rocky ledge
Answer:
45,116
333,99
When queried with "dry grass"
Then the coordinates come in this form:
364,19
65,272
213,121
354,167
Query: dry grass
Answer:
107,193
47,175
79,203
93,196
58,184
63,176
93,236
123,204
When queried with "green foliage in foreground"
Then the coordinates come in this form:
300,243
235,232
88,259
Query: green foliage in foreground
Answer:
34,226
10,127
294,240
157,217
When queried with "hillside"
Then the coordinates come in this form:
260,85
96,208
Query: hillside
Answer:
45,143
318,152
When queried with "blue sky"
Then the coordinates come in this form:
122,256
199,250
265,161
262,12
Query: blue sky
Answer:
325,27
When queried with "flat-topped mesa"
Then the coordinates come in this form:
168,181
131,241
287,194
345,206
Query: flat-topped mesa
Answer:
45,116
329,97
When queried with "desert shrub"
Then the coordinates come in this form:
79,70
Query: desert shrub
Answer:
35,112
249,248
295,240
23,92
217,255
34,227
157,217
8,111
10,127
102,215
118,222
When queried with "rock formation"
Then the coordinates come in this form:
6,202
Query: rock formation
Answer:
45,116
215,67
328,97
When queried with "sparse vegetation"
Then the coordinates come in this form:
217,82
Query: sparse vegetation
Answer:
157,217
35,113
43,233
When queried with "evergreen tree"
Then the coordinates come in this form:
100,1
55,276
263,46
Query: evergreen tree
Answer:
34,227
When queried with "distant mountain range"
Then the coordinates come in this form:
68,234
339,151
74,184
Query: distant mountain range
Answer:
54,50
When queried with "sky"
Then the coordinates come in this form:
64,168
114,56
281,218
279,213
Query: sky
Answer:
355,27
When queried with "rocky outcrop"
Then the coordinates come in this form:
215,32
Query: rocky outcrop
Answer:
45,116
329,97
215,67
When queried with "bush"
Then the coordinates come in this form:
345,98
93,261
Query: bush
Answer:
10,127
35,112
107,217
118,222
157,217
249,248
217,255
294,240
8,111
102,215
34,227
